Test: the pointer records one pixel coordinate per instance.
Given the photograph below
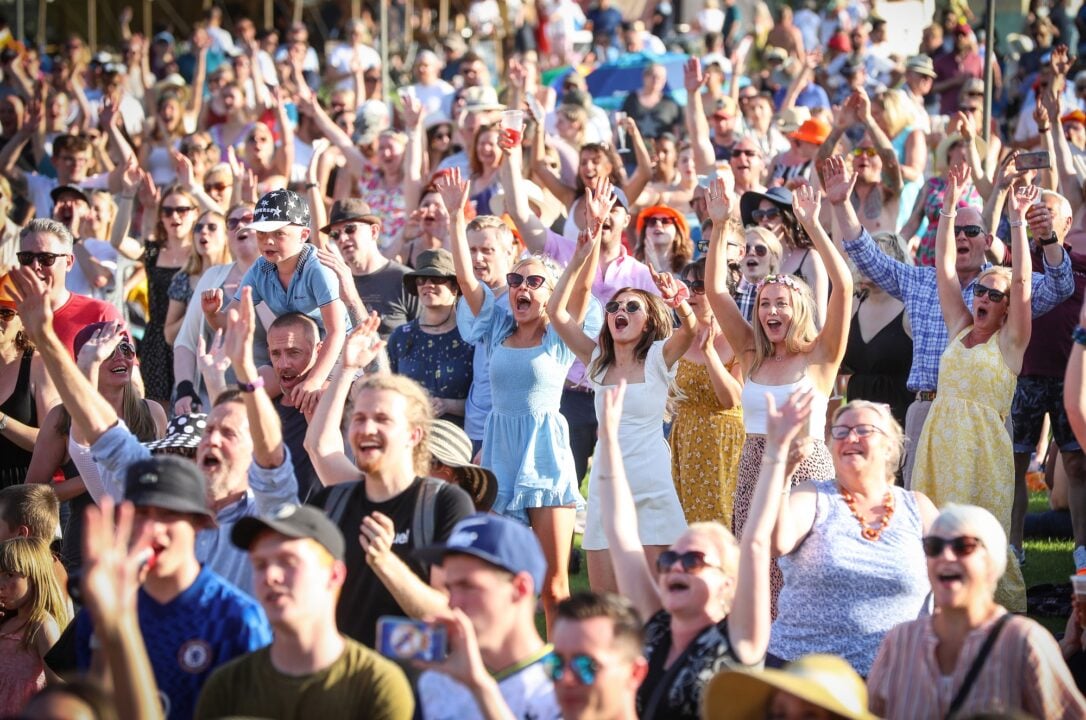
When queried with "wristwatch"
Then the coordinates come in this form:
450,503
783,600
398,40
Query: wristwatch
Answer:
1051,240
3,422
251,387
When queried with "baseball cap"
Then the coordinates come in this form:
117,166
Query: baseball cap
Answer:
168,482
280,208
294,521
497,540
62,189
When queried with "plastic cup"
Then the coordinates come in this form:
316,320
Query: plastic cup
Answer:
1078,583
513,122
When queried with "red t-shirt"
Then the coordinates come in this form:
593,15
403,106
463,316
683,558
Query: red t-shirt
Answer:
79,312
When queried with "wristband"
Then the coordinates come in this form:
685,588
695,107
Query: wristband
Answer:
945,214
1014,224
1079,335
185,388
1042,129
251,387
310,186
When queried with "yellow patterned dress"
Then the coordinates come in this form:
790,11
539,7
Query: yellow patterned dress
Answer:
964,453
705,444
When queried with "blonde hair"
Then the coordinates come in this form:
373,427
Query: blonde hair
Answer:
420,413
31,558
895,112
197,264
887,424
801,333
726,546
776,250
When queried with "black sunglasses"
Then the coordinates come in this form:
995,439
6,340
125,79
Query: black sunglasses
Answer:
170,211
234,222
350,229
994,295
970,231
759,250
691,560
767,214
211,227
631,306
583,668
745,153
45,259
962,546
515,280
421,280
697,287
7,314
660,220
840,432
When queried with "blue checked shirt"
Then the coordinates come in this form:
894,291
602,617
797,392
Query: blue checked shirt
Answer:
915,286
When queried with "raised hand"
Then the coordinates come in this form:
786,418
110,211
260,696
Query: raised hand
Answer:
211,301
240,326
718,202
453,190
108,116
672,292
693,77
1007,171
966,126
1060,62
148,191
201,40
707,337
517,74
363,344
790,421
32,300
114,557
213,361
806,203
813,59
1021,198
1039,218
131,178
611,416
412,112
464,663
860,105
837,180
598,202
958,176
186,175
101,345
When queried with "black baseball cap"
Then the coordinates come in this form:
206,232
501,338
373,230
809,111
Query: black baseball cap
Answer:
168,482
294,521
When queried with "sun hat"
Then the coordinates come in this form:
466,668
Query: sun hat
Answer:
749,201
451,446
183,433
349,209
680,220
813,130
921,65
825,681
481,98
790,120
430,263
943,150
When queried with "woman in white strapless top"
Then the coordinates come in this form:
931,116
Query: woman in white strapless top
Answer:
783,350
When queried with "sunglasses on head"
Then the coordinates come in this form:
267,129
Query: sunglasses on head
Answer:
211,227
660,220
697,287
235,222
970,231
45,259
994,295
840,432
630,306
170,211
767,214
868,151
962,546
759,250
515,280
691,560
583,668
350,229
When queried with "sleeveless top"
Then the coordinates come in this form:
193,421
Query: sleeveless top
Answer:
843,593
880,366
755,408
14,461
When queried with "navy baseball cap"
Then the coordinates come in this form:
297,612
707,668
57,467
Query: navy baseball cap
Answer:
280,208
494,539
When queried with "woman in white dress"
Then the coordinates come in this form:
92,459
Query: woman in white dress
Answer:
637,345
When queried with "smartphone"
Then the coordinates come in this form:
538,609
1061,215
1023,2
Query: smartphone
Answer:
402,639
1033,160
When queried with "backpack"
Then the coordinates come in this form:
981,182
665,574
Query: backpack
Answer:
422,521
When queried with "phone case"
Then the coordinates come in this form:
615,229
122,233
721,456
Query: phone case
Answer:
402,638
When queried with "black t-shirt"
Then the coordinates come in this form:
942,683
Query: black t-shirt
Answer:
665,116
294,429
364,597
383,291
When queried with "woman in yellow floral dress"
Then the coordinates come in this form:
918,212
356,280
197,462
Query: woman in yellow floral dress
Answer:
707,432
964,452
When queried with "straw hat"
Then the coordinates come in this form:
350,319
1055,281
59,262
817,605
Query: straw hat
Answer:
944,148
826,681
793,118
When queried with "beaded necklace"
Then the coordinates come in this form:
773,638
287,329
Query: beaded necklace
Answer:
869,532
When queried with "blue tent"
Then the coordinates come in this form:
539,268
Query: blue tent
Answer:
610,82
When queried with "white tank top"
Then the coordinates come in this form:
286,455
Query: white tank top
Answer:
755,408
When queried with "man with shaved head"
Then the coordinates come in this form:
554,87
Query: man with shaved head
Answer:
293,344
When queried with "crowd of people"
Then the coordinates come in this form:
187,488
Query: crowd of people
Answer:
327,381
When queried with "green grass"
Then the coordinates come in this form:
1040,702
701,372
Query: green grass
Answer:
1047,561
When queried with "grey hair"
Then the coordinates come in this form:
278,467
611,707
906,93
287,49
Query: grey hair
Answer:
48,226
1062,203
890,426
981,524
893,245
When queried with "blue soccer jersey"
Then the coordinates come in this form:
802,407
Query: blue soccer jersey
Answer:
210,623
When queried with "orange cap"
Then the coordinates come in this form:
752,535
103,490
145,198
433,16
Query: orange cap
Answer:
814,131
653,211
6,284
1074,116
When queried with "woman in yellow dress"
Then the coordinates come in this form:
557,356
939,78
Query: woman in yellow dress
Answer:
964,452
707,432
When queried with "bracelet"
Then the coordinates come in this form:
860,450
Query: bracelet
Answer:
1015,224
945,214
1042,129
127,197
1079,335
310,186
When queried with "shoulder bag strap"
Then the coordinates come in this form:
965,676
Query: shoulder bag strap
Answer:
978,664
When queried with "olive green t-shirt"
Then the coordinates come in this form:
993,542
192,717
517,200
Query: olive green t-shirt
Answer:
360,683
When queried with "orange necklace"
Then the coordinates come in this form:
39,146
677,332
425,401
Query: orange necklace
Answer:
869,532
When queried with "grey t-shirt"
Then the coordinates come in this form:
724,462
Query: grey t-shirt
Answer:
384,292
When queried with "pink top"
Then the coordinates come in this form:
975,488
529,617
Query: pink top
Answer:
1024,671
22,674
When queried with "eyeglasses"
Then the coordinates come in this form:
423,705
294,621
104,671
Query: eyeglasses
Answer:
697,287
170,211
45,259
759,250
234,222
691,560
970,231
421,280
345,230
767,214
515,280
994,295
962,546
630,306
660,220
841,432
215,187
7,314
868,151
583,668
210,227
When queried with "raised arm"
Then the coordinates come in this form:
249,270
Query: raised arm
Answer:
727,385
454,192
119,238
891,169
637,182
13,148
1019,323
1070,184
955,312
577,280
635,580
283,159
675,294
697,127
736,329
550,179
414,151
531,229
1074,382
830,347
356,161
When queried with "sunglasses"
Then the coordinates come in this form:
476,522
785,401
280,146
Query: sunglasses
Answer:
235,222
994,295
371,78
962,546
215,187
7,314
697,287
691,560
970,231
442,136
515,280
841,432
126,349
868,151
211,227
759,250
45,259
745,153
170,211
631,306
431,280
767,214
194,148
346,230
660,220
583,668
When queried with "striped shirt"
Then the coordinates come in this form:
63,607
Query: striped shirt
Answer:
1024,671
916,287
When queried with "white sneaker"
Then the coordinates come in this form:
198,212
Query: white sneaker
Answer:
1080,558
